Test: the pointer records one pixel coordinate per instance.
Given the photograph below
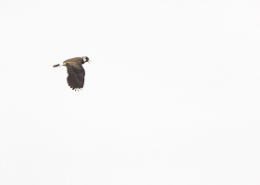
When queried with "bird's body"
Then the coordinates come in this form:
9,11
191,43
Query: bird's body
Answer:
75,71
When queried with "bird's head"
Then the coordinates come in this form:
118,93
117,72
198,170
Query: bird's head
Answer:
85,59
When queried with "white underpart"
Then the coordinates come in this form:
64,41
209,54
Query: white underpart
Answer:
78,89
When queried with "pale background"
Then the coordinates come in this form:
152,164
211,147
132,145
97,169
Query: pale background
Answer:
171,96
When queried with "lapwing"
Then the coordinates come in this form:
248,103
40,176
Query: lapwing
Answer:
75,71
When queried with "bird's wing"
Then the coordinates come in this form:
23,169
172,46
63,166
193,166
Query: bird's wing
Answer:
76,75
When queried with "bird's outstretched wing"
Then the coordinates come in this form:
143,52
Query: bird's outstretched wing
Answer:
76,75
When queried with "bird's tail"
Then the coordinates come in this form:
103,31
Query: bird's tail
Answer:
57,65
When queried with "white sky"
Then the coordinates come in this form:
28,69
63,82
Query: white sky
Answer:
171,96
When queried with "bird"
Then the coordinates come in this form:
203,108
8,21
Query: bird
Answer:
75,71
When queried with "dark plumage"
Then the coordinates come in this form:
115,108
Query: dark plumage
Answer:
75,71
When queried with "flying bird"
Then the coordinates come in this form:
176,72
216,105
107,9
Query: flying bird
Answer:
75,71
